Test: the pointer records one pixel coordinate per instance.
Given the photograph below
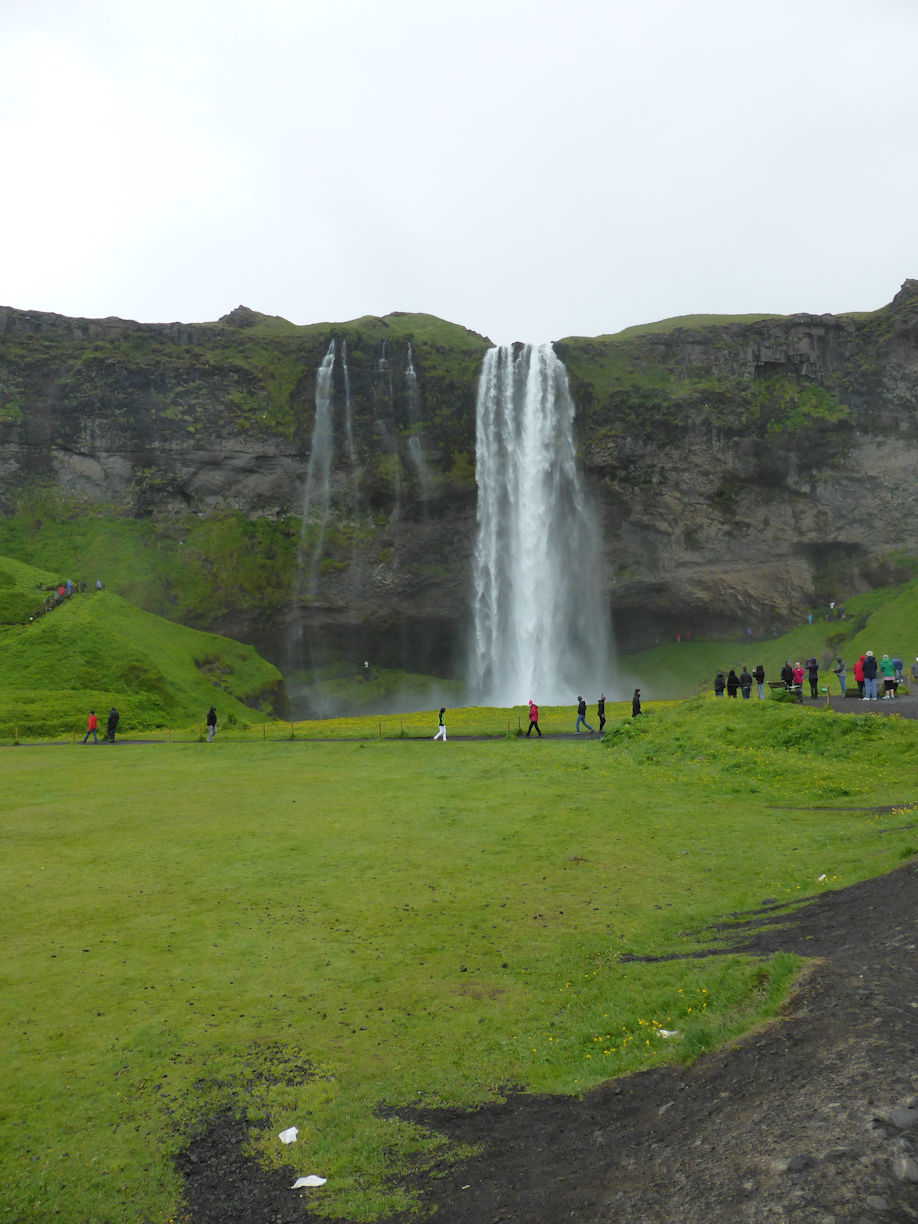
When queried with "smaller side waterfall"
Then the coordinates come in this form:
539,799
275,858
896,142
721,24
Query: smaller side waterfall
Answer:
415,446
348,407
317,494
314,509
541,618
383,407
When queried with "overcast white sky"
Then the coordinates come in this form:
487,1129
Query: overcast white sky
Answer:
529,170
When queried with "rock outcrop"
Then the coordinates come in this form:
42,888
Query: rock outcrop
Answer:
744,471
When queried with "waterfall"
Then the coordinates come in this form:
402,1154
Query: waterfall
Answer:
317,495
383,407
415,448
541,617
348,407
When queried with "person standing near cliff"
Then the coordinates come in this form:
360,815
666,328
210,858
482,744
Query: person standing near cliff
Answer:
112,725
745,681
601,711
888,670
211,723
758,673
441,729
636,703
533,718
859,677
812,670
840,672
870,675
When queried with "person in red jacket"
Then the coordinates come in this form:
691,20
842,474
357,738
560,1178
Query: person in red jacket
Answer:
859,676
92,726
533,717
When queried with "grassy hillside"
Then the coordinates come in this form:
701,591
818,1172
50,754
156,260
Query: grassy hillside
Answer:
96,650
884,621
181,566
203,902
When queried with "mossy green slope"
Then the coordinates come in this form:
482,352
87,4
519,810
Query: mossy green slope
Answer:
96,650
884,621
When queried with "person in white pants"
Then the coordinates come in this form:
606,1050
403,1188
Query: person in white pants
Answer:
441,730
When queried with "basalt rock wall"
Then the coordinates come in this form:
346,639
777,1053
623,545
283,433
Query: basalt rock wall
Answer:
743,471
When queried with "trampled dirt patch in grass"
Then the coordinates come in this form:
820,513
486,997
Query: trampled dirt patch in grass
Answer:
812,1120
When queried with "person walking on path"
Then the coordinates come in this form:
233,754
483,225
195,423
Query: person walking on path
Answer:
732,682
812,671
870,675
636,703
533,718
211,723
112,725
720,683
840,672
914,670
581,717
745,682
898,665
92,726
759,673
601,711
441,729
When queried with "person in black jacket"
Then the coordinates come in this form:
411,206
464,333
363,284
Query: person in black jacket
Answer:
812,671
581,716
745,680
787,674
732,682
720,683
870,675
211,723
758,673
636,703
601,711
112,725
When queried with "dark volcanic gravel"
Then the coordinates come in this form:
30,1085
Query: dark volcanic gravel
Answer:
811,1120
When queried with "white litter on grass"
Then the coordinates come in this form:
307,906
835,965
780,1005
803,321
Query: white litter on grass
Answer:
289,1135
819,879
311,1180
667,1033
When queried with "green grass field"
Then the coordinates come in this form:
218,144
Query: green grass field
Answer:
303,931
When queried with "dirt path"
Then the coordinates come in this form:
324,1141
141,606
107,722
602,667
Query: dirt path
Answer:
813,1119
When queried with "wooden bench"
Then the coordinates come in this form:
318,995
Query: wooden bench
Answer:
778,686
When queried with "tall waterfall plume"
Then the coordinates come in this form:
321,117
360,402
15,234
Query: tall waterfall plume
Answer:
541,617
315,506
317,495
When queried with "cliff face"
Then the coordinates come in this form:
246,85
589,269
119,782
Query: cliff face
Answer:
742,470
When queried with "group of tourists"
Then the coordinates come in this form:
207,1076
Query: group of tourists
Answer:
733,683
581,716
92,726
58,593
867,671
